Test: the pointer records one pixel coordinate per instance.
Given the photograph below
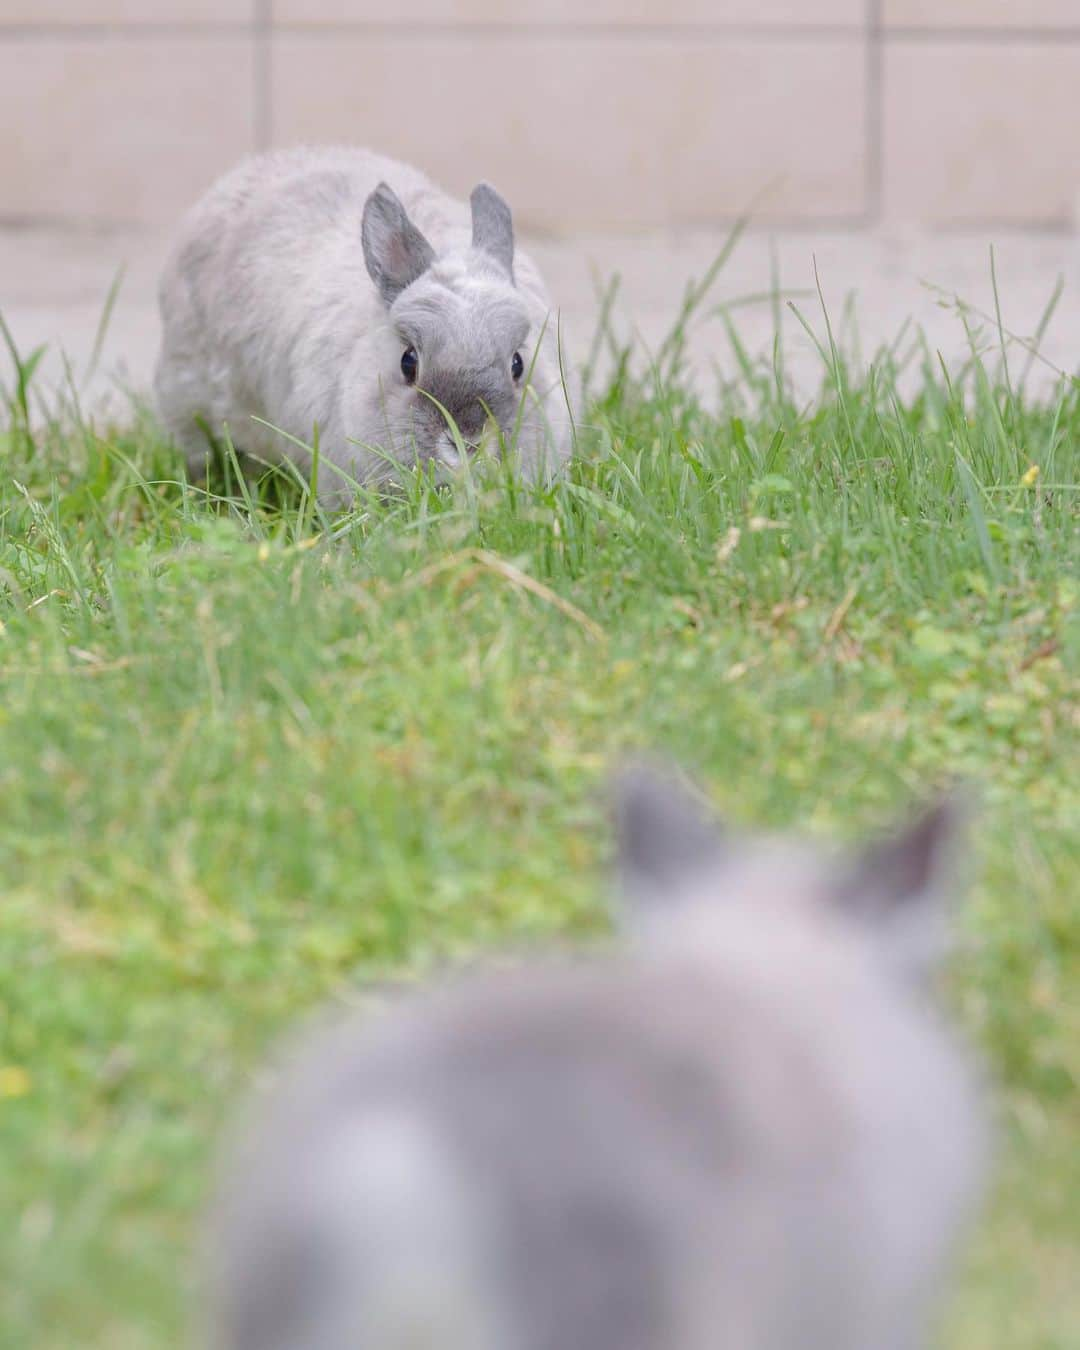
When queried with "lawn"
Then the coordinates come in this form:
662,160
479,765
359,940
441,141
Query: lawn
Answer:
251,758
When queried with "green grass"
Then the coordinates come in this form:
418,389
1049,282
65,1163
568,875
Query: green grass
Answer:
251,758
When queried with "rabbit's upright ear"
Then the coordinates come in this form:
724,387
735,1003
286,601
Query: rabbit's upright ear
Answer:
493,226
665,834
395,251
901,885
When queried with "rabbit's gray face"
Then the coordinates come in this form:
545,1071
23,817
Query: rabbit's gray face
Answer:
457,363
463,356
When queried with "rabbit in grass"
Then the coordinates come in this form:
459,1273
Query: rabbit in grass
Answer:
742,1129
337,288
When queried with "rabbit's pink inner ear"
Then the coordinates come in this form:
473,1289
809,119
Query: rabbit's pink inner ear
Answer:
398,259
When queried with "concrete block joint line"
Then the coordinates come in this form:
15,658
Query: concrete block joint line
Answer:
263,88
874,166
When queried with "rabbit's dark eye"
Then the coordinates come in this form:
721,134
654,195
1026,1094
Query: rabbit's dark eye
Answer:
409,365
517,366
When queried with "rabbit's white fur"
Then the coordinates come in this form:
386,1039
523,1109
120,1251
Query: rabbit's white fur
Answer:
281,302
746,1131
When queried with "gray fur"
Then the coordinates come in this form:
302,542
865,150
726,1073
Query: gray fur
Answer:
296,284
493,226
742,1132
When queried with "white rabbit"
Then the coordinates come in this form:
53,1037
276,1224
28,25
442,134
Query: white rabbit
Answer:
337,288
745,1131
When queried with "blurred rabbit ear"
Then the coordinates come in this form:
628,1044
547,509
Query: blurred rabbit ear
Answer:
664,834
395,251
493,226
902,884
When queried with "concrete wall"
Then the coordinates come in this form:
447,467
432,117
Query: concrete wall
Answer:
587,113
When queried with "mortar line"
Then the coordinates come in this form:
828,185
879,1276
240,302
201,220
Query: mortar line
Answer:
598,32
807,33
997,37
875,117
149,32
263,111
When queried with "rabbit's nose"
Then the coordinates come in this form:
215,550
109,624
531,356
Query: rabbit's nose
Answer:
447,450
471,424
